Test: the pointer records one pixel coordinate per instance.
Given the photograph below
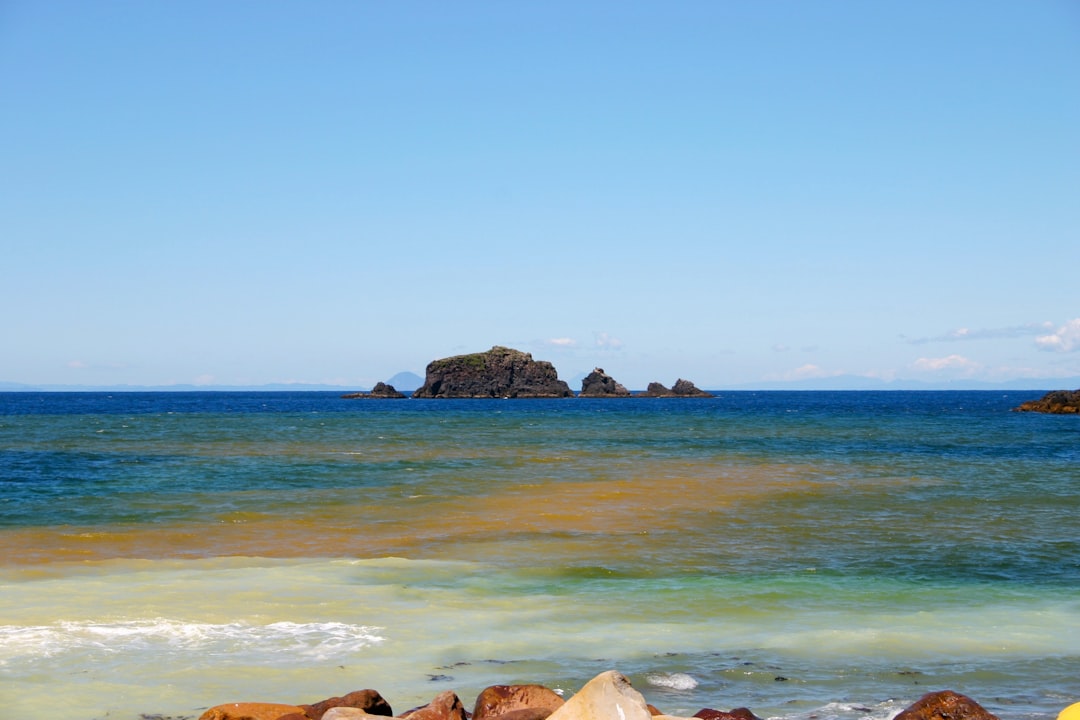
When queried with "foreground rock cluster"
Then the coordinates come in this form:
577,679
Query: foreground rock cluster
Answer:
608,696
1058,402
507,373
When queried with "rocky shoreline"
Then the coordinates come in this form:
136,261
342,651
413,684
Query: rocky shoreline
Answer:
1058,402
608,696
503,372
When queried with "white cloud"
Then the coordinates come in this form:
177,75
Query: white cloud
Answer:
1066,339
77,364
603,340
950,362
562,342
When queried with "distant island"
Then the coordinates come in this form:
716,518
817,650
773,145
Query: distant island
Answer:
504,372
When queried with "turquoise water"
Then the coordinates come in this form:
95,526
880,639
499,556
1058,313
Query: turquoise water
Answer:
828,555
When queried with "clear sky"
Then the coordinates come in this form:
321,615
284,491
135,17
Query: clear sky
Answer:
730,191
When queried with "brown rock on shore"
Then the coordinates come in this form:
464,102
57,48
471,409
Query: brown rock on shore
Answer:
1058,402
524,702
945,705
608,696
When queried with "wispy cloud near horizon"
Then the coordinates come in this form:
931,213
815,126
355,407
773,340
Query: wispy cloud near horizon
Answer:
962,334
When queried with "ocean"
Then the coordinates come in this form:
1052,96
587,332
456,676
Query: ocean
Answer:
809,555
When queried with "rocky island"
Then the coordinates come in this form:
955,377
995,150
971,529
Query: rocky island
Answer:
599,384
381,391
1058,402
500,372
681,388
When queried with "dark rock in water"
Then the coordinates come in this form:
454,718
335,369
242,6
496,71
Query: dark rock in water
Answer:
446,706
682,388
370,701
740,713
600,384
945,705
1058,402
516,702
498,373
381,391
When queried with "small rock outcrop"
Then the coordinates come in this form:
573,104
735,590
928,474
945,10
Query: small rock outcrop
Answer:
599,384
498,373
681,388
381,391
945,705
370,702
1058,402
250,711
739,713
445,706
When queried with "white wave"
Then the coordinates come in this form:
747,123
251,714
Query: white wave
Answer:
241,641
672,681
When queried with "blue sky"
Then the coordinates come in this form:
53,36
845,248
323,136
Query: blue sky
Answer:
733,192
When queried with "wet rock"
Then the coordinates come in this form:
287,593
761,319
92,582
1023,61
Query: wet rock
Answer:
445,706
250,711
498,373
516,702
608,696
345,713
1058,402
599,384
945,705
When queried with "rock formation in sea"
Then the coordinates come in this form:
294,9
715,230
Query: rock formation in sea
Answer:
599,384
1058,402
498,373
608,696
381,391
681,388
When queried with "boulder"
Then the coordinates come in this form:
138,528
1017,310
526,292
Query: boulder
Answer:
740,713
446,706
682,388
1058,402
498,373
600,384
250,711
381,391
369,702
516,702
945,705
608,696
345,713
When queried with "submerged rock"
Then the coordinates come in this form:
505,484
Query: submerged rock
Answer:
945,705
498,373
682,388
1058,402
599,384
381,391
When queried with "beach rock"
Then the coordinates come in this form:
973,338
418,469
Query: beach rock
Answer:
945,705
446,706
381,391
498,373
608,696
1058,402
600,384
516,702
369,702
740,713
344,713
250,711
682,388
